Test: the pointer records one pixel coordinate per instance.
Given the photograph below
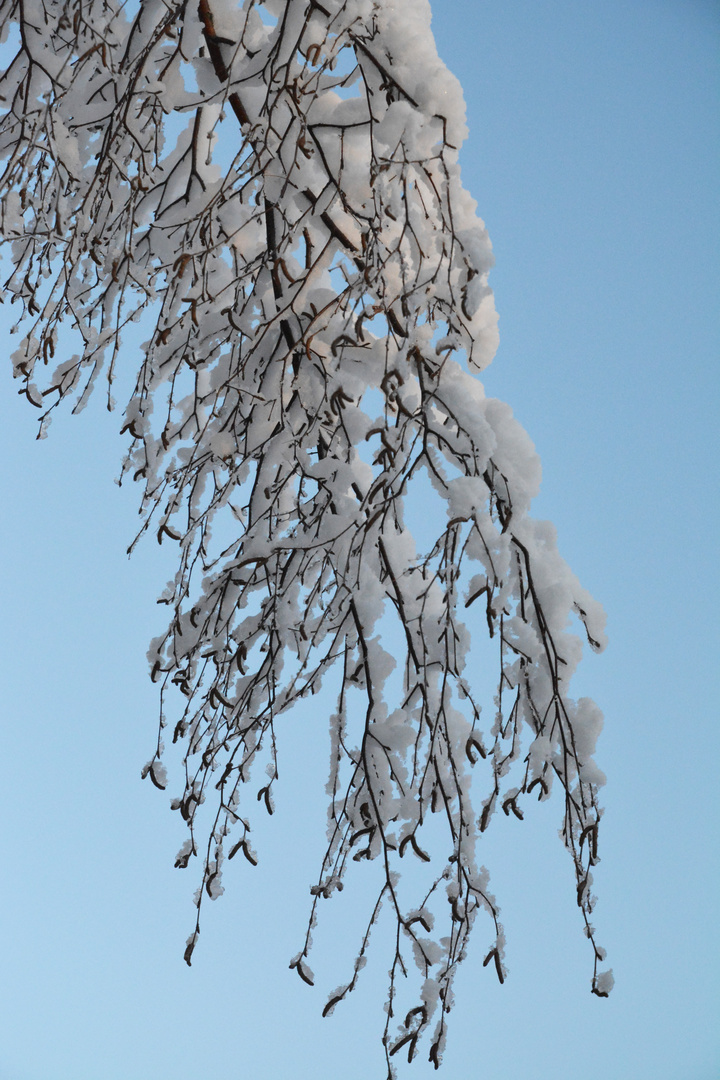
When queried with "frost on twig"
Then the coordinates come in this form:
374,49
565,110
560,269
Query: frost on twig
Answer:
273,189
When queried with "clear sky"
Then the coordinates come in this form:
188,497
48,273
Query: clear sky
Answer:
594,157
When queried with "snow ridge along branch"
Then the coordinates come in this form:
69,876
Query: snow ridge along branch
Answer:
273,189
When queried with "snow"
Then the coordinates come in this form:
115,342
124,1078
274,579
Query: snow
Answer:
297,255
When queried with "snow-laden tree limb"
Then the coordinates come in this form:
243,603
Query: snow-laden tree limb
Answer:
274,189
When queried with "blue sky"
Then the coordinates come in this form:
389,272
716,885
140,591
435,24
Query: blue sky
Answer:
594,157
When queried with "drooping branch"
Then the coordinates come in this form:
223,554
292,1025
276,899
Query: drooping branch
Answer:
273,190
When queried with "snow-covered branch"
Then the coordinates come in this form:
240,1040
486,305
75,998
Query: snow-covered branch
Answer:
273,189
